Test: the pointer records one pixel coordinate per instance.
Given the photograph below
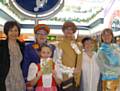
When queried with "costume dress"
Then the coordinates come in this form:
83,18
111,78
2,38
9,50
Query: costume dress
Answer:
108,59
46,81
90,72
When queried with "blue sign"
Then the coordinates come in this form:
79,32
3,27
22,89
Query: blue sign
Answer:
39,7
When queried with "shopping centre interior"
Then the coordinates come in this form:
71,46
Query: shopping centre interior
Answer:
90,16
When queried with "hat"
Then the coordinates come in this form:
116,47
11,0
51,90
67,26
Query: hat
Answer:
41,27
69,24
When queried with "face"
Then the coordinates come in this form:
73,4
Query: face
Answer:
68,32
45,52
13,33
107,37
41,36
88,45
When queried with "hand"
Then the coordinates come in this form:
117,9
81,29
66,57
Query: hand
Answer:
58,81
29,87
39,73
53,73
76,71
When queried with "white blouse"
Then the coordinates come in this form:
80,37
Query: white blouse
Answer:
33,69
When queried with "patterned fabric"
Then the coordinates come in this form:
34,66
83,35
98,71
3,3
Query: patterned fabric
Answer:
14,80
109,61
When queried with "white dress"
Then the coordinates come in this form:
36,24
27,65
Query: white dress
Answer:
90,72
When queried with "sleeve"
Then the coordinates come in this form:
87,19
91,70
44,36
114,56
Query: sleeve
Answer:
0,52
0,59
26,62
77,76
101,62
57,61
104,67
32,71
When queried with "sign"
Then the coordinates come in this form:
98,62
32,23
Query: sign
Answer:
51,38
38,8
115,21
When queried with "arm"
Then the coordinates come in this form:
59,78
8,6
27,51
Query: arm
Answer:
104,66
26,62
32,78
78,68
1,60
57,61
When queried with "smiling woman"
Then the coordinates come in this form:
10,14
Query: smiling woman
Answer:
108,59
11,50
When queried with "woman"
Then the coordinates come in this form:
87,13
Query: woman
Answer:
108,59
10,59
90,69
68,55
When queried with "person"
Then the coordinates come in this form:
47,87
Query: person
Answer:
90,69
43,75
108,59
11,55
31,50
69,58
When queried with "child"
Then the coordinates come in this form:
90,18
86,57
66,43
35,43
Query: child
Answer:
43,75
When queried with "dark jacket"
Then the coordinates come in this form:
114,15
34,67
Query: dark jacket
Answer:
5,61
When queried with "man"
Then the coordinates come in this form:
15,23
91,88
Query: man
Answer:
31,50
69,56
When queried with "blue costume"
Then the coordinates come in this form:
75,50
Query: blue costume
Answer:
30,55
109,63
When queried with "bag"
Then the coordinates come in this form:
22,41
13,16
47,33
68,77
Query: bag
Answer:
68,84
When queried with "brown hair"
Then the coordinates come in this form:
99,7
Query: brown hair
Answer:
106,30
68,24
10,24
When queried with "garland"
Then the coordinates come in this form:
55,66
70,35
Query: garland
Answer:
65,69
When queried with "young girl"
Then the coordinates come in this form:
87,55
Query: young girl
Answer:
90,69
43,75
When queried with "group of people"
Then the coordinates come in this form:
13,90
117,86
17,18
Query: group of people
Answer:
41,66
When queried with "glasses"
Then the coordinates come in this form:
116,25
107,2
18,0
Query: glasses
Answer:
41,33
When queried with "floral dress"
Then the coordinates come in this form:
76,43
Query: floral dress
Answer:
14,80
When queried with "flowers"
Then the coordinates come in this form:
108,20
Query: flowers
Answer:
46,66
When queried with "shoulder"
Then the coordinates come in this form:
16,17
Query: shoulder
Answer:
30,46
22,44
60,44
33,66
3,42
53,47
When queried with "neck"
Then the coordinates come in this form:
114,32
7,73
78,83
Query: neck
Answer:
89,53
12,40
68,38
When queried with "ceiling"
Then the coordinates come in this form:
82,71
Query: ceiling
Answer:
86,14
